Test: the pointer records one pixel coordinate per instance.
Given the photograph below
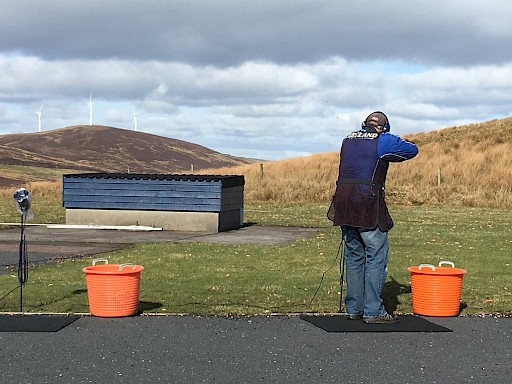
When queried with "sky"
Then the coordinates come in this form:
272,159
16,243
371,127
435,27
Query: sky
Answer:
255,78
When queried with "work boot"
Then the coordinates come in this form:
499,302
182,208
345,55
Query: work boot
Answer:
383,319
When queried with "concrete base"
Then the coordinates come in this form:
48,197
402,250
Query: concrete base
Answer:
210,222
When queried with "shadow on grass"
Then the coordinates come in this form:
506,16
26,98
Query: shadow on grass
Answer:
463,305
148,306
393,289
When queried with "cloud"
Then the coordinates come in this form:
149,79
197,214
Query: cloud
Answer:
253,78
231,32
463,87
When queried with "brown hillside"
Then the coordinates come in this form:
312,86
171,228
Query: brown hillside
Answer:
461,166
106,149
480,135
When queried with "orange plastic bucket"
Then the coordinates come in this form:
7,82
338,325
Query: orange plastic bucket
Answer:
436,291
113,289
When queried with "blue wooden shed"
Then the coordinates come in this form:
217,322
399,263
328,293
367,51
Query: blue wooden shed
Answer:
208,203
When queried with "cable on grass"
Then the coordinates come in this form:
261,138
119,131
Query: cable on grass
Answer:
328,269
8,293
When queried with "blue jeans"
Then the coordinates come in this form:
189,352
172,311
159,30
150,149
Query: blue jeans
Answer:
366,258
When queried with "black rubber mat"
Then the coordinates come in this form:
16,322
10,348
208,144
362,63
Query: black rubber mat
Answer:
339,323
35,323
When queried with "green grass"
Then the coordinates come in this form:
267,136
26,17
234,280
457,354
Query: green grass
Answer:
201,278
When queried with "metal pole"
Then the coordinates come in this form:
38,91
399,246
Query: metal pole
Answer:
342,271
22,264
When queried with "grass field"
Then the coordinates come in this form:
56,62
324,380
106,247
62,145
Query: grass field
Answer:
251,279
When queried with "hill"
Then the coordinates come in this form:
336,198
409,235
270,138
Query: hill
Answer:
460,166
101,149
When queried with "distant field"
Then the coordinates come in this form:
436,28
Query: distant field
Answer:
25,174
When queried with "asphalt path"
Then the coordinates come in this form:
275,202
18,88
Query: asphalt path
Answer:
45,244
276,349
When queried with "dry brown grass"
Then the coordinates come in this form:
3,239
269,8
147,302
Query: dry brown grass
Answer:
460,166
300,180
45,189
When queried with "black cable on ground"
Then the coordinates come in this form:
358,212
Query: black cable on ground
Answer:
323,275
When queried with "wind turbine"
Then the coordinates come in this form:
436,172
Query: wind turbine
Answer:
39,113
135,120
90,109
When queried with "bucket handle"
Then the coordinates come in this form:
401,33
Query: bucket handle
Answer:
99,261
447,262
127,265
427,266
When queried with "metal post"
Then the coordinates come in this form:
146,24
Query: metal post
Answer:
342,272
23,260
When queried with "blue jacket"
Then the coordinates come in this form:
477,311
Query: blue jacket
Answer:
365,155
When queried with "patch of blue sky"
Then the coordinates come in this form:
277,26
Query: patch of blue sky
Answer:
15,53
390,67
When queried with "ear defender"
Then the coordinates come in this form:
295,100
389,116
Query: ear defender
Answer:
386,127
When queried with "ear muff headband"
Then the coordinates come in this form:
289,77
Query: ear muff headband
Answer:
385,128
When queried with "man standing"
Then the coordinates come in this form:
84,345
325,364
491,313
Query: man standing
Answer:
360,209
